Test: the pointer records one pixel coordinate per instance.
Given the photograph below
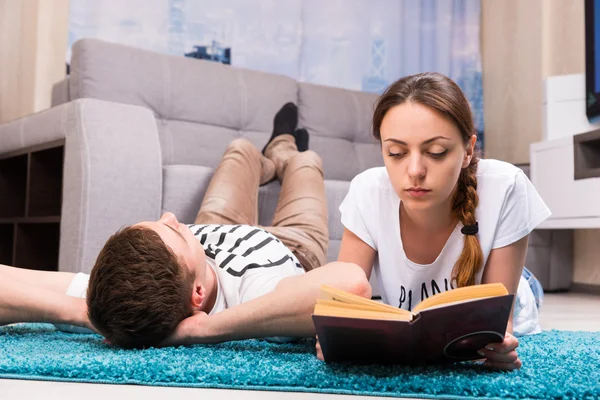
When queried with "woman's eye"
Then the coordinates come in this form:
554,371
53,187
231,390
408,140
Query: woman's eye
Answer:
396,155
438,155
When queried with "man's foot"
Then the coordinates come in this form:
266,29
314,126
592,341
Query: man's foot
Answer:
301,136
285,121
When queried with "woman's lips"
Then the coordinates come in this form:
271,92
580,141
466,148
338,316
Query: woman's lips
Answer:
418,192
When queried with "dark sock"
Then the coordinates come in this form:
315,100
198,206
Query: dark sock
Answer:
301,136
285,121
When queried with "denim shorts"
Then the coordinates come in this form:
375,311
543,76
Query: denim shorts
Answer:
536,287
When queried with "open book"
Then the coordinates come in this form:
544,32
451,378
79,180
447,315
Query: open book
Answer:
448,326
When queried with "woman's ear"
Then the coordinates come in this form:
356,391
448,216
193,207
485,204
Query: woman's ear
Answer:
470,150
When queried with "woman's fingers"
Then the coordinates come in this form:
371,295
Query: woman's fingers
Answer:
504,366
509,344
493,356
502,355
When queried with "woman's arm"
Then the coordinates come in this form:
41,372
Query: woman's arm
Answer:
505,265
354,250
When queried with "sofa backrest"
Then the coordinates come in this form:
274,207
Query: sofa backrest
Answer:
200,106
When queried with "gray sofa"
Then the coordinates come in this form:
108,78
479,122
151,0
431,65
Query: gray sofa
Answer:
143,133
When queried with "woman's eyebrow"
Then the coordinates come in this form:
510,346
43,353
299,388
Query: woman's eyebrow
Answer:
425,142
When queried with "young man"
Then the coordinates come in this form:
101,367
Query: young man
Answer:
223,278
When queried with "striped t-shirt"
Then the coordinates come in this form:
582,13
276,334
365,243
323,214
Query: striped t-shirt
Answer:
249,261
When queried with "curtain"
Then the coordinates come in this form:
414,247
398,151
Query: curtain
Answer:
354,44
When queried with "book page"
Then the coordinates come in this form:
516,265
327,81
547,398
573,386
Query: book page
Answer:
333,311
346,298
462,294
365,307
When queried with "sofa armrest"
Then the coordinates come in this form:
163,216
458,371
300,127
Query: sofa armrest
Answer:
60,93
112,170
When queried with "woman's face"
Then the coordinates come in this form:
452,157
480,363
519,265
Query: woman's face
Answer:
423,152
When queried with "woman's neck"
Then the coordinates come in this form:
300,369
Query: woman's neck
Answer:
432,220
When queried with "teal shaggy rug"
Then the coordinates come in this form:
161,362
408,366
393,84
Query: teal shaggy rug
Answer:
556,364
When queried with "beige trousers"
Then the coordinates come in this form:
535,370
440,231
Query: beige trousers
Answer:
300,219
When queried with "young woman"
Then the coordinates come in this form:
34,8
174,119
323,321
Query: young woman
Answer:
437,217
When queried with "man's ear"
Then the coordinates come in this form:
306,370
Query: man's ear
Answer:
198,296
470,151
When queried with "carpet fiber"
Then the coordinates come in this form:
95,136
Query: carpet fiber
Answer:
556,364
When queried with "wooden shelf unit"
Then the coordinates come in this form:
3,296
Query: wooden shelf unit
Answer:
31,182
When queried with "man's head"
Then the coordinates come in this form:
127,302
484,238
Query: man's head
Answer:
148,277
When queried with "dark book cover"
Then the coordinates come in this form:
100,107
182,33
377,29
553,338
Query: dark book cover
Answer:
446,334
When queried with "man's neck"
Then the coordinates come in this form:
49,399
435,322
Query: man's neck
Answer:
212,288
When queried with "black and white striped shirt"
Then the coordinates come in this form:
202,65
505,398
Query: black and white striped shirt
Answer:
249,261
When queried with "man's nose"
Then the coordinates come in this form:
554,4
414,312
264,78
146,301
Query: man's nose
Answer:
169,218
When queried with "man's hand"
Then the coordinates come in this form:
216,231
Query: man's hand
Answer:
192,330
502,355
79,312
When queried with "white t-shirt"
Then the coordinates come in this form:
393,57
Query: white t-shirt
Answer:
509,209
248,261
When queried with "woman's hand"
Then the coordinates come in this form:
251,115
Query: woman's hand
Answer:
502,355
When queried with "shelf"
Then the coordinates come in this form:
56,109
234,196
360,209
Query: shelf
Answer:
571,223
586,147
6,243
27,220
37,246
45,182
31,183
13,186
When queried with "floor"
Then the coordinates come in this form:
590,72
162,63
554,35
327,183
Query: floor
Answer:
564,311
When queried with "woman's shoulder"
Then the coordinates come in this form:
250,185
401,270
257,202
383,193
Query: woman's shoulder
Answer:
373,178
491,167
498,172
497,180
372,186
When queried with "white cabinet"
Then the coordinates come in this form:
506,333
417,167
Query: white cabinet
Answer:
574,203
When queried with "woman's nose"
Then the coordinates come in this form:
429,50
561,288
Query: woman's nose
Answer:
416,168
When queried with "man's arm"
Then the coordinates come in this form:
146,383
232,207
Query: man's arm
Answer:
52,280
284,312
38,296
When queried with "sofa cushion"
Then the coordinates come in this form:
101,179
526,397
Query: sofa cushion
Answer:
201,106
184,187
187,143
179,88
339,122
